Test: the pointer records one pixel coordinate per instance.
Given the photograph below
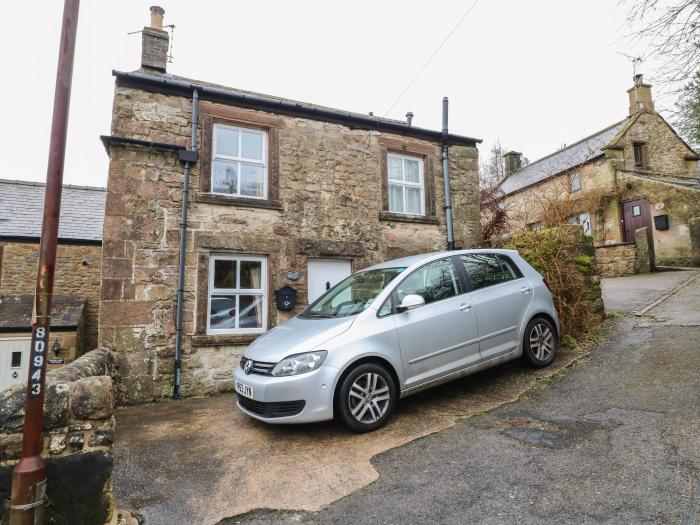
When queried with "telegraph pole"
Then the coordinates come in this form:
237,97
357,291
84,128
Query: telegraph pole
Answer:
29,476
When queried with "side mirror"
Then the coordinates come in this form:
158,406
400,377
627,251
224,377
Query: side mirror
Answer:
410,302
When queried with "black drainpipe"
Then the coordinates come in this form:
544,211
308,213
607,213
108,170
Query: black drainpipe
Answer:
189,157
446,176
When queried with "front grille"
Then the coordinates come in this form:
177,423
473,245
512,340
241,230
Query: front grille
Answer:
259,367
276,409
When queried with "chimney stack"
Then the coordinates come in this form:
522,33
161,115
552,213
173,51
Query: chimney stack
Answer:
513,161
640,96
154,47
409,118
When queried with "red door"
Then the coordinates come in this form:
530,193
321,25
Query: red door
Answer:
635,215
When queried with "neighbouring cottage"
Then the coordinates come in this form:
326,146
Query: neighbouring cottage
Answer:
77,280
285,199
635,173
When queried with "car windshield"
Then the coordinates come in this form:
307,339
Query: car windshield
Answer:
352,295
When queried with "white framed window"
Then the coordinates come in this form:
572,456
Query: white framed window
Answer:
237,302
406,184
239,161
575,183
535,226
584,219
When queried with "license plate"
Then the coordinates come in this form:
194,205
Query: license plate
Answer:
244,390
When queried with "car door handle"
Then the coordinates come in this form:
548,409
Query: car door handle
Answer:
465,307
525,290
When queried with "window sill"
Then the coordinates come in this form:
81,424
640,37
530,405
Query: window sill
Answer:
214,198
224,340
398,217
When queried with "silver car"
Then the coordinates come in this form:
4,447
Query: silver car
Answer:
394,329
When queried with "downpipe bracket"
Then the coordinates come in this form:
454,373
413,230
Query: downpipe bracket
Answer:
187,155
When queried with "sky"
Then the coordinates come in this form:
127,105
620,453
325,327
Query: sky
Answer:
533,74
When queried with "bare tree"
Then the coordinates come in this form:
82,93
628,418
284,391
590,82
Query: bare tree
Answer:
688,112
494,213
492,170
671,30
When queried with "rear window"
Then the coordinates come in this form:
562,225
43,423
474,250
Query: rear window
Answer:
488,269
509,267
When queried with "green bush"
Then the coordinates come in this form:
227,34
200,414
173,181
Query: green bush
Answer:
556,254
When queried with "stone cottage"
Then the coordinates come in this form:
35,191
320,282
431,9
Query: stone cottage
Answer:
284,196
635,173
77,280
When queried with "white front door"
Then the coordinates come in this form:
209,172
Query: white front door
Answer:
14,361
323,274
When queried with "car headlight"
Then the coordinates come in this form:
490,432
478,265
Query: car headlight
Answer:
299,364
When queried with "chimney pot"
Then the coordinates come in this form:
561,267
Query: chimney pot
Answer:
154,42
157,13
409,118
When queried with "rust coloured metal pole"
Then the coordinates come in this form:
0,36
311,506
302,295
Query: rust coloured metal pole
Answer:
29,476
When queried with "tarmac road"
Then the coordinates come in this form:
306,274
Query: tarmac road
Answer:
615,440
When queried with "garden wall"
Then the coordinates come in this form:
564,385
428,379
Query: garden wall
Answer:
77,440
616,260
694,228
627,258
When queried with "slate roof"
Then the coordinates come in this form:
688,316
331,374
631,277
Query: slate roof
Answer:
16,312
22,208
574,155
168,83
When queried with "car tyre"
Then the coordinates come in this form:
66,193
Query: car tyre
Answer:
540,342
366,398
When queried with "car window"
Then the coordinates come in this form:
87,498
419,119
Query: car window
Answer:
352,295
387,308
485,269
509,267
433,282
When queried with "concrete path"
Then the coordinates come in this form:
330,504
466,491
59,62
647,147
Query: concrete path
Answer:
616,440
198,461
628,294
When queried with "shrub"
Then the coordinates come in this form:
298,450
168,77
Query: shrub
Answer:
557,254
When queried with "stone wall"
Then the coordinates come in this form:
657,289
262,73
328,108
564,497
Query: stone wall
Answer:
616,260
694,231
528,205
327,199
666,152
621,259
77,441
672,247
78,272
644,261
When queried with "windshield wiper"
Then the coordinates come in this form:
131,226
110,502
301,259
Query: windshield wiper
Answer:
318,316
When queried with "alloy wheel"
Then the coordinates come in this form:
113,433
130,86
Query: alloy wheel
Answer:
541,342
369,398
